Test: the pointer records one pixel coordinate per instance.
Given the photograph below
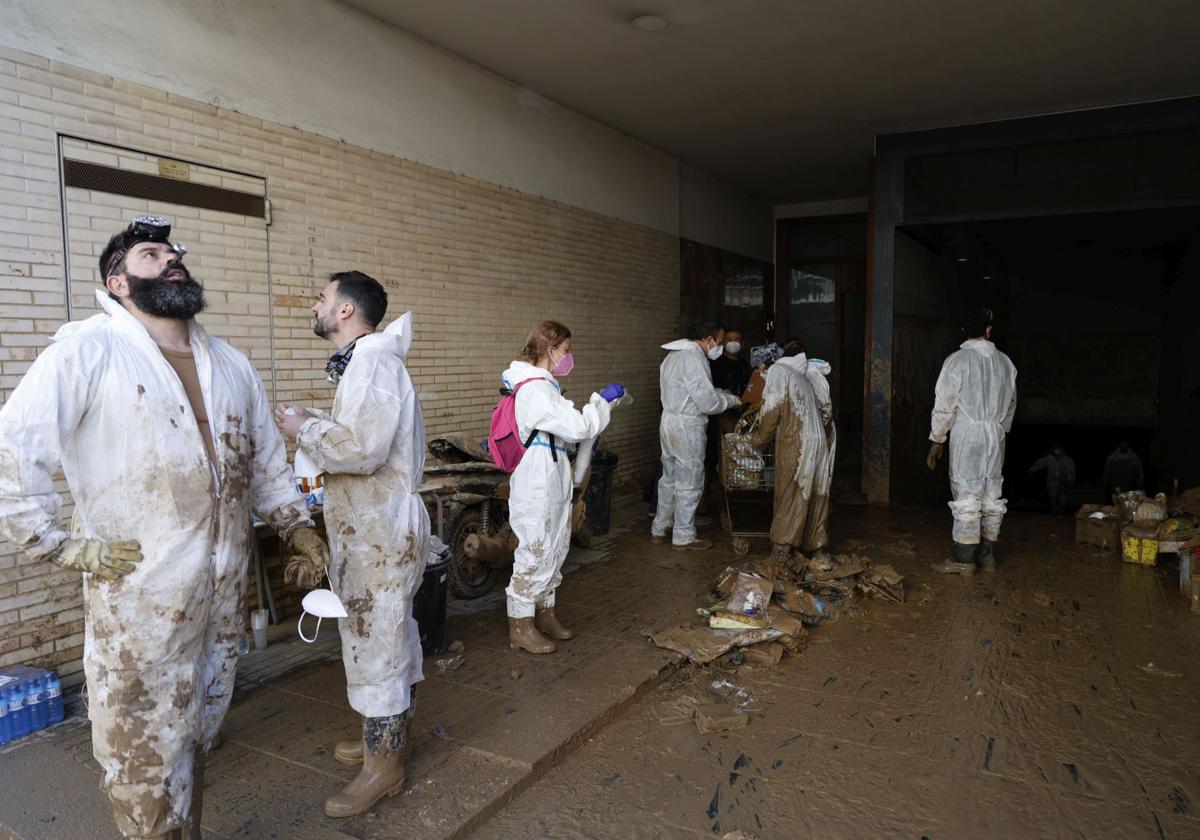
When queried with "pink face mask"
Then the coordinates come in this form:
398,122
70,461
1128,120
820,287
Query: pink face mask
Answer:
565,365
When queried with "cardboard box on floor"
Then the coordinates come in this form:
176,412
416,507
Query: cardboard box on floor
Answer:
1102,532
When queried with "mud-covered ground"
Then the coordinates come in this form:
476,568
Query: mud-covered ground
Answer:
1059,697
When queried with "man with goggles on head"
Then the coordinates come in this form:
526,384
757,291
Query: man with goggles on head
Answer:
167,443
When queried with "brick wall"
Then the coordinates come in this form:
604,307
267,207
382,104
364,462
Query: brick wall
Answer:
477,264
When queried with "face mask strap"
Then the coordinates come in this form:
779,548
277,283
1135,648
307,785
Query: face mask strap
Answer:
300,628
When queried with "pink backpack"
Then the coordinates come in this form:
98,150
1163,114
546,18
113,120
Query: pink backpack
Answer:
504,441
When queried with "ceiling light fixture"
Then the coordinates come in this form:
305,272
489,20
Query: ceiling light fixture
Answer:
651,23
987,277
962,259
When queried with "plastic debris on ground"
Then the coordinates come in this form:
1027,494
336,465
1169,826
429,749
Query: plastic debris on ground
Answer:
764,606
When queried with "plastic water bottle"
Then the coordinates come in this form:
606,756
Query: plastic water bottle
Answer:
35,698
5,730
18,715
54,701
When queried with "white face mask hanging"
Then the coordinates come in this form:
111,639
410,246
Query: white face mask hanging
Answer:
323,603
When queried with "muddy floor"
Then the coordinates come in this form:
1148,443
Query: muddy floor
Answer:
1059,697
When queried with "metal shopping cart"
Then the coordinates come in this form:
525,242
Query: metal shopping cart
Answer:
747,486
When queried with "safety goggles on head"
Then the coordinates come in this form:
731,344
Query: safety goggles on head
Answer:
144,229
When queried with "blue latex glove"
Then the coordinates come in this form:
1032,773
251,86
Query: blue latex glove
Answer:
613,391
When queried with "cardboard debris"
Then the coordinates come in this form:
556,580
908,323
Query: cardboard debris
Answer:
703,644
719,717
765,653
796,593
785,622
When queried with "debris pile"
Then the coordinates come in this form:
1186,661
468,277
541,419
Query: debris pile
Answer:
765,606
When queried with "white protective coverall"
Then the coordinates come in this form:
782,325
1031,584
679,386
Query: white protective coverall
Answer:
539,501
818,377
372,450
160,644
688,397
975,399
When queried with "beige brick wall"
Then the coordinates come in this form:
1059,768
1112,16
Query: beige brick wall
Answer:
477,264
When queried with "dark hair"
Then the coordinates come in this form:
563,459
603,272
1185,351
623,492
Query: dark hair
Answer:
544,336
976,322
705,329
365,292
793,347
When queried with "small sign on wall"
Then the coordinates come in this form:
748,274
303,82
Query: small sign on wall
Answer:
176,169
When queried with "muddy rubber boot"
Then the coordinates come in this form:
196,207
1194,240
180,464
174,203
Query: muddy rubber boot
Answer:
349,752
547,622
961,562
987,555
523,635
694,545
385,754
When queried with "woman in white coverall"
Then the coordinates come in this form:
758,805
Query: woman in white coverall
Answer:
688,398
371,449
160,642
539,503
975,400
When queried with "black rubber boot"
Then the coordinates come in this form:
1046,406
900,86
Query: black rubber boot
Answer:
961,562
987,555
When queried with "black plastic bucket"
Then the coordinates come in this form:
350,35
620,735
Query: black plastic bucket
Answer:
598,497
429,605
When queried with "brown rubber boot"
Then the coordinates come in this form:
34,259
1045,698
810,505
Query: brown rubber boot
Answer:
349,752
694,545
382,775
523,635
548,623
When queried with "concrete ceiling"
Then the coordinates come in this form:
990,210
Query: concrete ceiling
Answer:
783,97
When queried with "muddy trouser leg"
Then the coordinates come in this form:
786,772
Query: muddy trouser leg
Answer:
816,526
664,516
993,508
145,746
966,508
533,563
689,486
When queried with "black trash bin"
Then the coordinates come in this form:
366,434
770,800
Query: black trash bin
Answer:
598,497
429,605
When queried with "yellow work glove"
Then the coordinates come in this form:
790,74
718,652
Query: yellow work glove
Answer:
935,455
109,560
308,555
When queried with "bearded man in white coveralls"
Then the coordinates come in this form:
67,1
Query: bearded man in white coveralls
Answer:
975,400
166,440
371,448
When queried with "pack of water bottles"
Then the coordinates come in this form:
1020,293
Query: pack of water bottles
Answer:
30,699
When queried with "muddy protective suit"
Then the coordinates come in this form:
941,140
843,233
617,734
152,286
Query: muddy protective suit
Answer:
818,519
688,397
160,645
975,400
1060,478
791,416
372,450
539,502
